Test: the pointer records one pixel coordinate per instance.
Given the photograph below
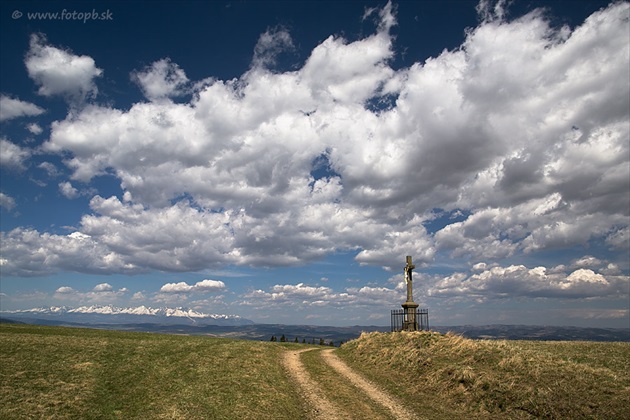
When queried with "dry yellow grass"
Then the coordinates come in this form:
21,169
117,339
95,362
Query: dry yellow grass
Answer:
448,375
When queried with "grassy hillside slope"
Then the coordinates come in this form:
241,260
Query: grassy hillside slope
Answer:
447,376
56,372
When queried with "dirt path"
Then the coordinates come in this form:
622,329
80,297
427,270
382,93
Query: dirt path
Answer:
320,407
370,389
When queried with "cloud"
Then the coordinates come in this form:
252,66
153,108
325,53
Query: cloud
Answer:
138,296
30,253
34,128
529,145
479,266
349,73
411,239
67,190
270,45
535,225
163,79
302,295
123,238
60,72
103,287
619,238
13,156
588,261
584,275
209,285
181,287
374,296
7,202
70,192
201,286
51,170
606,314
100,294
11,108
519,281
492,10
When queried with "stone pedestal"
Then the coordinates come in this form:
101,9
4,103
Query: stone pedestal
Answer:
410,323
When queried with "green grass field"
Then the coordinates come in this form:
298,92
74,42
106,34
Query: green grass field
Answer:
52,372
76,373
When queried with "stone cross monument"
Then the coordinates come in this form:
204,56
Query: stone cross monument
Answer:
409,323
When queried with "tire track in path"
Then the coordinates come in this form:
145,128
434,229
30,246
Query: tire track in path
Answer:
369,388
319,407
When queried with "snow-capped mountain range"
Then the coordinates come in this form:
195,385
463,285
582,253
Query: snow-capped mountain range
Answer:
112,314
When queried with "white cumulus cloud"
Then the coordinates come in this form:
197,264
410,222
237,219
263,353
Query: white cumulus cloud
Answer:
7,202
60,72
520,281
11,108
181,287
34,128
270,44
201,286
162,79
103,287
527,145
209,285
13,156
303,295
67,190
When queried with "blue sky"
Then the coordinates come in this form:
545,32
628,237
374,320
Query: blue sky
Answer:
278,160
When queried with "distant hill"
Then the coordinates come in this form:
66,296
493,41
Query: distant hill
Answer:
189,322
537,332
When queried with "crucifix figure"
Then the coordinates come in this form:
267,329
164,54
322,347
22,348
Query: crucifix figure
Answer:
409,279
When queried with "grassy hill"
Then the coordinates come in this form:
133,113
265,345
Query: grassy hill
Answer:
449,376
56,372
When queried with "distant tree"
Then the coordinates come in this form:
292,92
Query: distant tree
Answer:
273,338
304,341
296,340
332,343
322,342
283,339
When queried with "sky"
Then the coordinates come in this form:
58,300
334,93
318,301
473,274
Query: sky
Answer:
278,160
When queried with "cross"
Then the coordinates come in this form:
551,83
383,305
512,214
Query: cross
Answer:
408,278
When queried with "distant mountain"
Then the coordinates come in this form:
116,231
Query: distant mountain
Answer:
109,314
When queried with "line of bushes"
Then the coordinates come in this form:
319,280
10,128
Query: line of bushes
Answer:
311,340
